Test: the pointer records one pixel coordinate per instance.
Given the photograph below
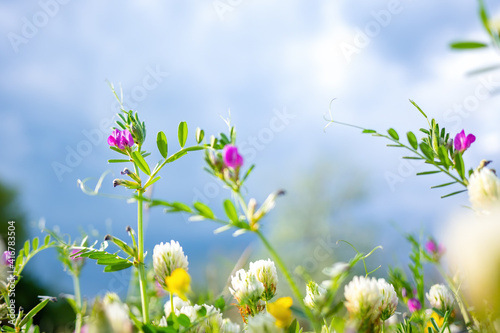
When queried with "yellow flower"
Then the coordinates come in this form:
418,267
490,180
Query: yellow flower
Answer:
178,283
439,321
280,310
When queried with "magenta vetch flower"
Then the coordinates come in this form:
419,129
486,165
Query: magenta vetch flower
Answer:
414,304
434,248
232,158
121,139
6,259
75,259
462,142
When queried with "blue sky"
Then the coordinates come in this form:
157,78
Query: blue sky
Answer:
275,64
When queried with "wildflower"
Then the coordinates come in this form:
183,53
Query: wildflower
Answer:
6,259
363,298
115,319
437,318
246,288
484,189
263,322
212,320
166,258
315,295
440,297
389,299
178,283
229,327
178,304
266,273
414,304
280,310
433,248
121,139
463,142
232,158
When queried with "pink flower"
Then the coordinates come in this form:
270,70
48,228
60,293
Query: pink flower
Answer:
232,158
414,304
6,259
121,139
463,142
75,259
434,248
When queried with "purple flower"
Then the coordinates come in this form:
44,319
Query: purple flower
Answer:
414,304
6,259
121,139
232,158
463,142
75,259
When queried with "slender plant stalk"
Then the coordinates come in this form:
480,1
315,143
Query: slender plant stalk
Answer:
292,283
172,302
78,301
140,259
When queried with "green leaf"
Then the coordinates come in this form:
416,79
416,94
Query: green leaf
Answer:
161,142
183,320
449,195
424,147
46,240
443,156
34,243
179,206
141,162
484,17
412,139
467,45
182,133
118,161
204,210
220,304
445,184
117,267
393,133
27,248
418,107
459,165
35,310
428,172
368,131
231,211
200,134
412,158
248,173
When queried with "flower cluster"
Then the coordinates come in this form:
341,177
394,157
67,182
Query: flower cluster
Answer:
121,139
167,258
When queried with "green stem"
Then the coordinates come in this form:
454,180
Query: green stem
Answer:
458,297
172,302
292,283
140,259
78,302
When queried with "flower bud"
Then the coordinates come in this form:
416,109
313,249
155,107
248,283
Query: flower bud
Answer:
315,296
414,305
484,189
389,299
246,288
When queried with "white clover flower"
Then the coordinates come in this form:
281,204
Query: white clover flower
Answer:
211,323
265,271
389,299
440,297
337,269
178,304
315,295
246,288
484,189
363,298
117,314
166,258
262,322
229,327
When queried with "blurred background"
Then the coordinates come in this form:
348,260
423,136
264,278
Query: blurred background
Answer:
276,65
